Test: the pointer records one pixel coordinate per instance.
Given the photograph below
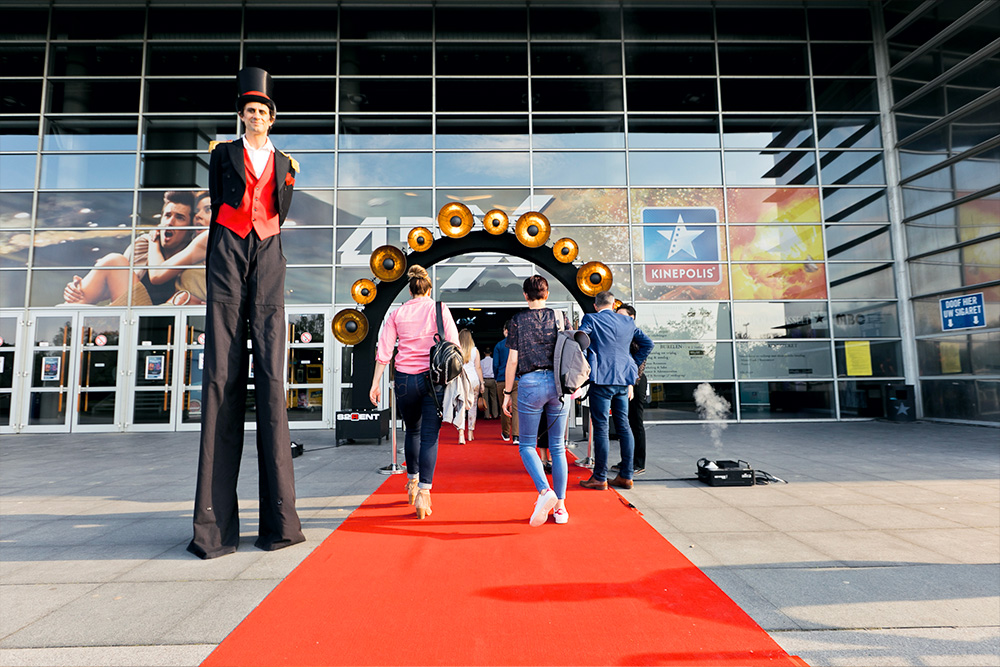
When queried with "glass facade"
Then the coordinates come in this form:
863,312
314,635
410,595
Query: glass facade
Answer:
728,163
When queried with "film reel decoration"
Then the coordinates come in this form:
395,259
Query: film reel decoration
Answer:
593,277
363,291
455,220
532,229
388,263
617,304
420,239
496,222
350,326
565,250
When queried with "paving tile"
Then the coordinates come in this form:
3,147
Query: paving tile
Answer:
889,517
868,547
87,563
771,550
973,515
717,519
964,545
176,564
791,519
218,616
107,656
24,604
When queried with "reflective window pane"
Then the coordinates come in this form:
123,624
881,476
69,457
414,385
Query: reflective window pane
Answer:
576,59
602,207
588,23
98,24
12,294
849,132
770,168
24,24
17,60
15,210
845,95
79,248
764,359
194,133
577,95
852,168
88,172
307,245
578,168
667,23
310,208
17,172
675,168
382,132
865,319
669,362
384,169
296,58
865,242
93,96
19,135
839,23
786,400
505,132
378,24
188,59
485,58
779,281
384,95
781,320
682,321
767,131
482,169
95,60
309,285
759,23
974,400
861,281
21,97
692,95
776,243
85,209
669,59
15,249
843,59
290,23
691,282
753,59
765,95
855,205
178,171
375,59
189,96
481,23
70,134
504,95
773,205
673,131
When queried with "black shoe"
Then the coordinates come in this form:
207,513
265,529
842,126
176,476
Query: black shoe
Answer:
615,467
547,465
638,471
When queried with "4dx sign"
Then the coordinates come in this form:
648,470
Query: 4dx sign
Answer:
962,312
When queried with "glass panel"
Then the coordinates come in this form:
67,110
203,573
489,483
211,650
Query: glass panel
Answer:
849,132
151,407
681,321
675,400
507,132
376,23
17,172
305,364
843,59
861,281
768,131
759,23
307,245
385,169
601,207
96,407
855,205
556,169
669,59
310,208
15,249
312,324
96,60
374,59
317,170
776,243
21,97
845,95
781,320
99,368
764,359
98,24
48,408
862,398
308,286
295,58
576,59
481,23
504,95
188,95
578,132
764,95
290,23
667,23
869,359
187,59
602,243
93,96
14,283
692,95
955,355
482,169
679,168
194,133
486,58
67,134
25,24
966,222
668,206
786,400
367,208
690,282
927,310
773,205
859,242
88,171
756,60
673,131
15,210
839,23
19,135
310,96
77,248
977,173
194,23
588,23
23,60
179,171
362,132
577,95
779,281
770,168
690,361
852,168
957,399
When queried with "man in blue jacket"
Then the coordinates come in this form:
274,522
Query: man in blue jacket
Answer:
508,425
613,371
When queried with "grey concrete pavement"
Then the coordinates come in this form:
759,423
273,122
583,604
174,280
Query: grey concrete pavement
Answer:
882,549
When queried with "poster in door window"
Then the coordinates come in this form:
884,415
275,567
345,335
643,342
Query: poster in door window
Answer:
50,368
154,367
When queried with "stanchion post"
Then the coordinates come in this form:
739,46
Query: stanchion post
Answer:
393,468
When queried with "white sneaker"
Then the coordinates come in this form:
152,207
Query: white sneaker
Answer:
543,506
561,515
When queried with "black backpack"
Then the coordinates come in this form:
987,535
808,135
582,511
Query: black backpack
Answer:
446,357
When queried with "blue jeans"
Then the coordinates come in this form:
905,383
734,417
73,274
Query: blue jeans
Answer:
420,423
537,394
615,397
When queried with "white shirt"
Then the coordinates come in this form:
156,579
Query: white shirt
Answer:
258,156
487,366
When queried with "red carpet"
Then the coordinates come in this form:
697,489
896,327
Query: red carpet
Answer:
473,584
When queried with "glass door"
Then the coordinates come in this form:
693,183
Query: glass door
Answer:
53,364
101,376
307,370
10,375
192,355
155,366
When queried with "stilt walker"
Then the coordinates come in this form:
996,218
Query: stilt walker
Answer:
251,187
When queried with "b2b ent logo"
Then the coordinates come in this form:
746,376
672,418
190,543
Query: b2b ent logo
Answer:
357,417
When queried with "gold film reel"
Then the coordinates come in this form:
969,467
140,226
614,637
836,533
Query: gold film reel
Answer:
350,326
388,263
496,222
565,250
593,277
363,291
617,304
420,239
532,229
455,220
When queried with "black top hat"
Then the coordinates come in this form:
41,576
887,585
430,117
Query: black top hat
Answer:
254,85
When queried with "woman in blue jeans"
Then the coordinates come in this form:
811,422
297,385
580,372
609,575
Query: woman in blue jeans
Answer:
531,338
413,326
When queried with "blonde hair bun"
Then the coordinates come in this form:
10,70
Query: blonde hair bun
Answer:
417,271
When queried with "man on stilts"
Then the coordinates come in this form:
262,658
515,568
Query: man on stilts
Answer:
251,187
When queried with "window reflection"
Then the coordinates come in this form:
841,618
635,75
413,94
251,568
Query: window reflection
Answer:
577,95
668,59
779,281
845,95
87,171
19,135
400,95
776,243
861,281
381,132
677,168
482,169
669,362
759,94
855,205
786,400
756,60
883,357
182,171
17,172
852,168
95,60
767,131
194,133
309,285
578,132
15,210
375,59
12,294
859,242
673,132
82,135
578,168
849,132
771,168
505,132
188,59
781,320
305,245
773,205
865,319
766,359
385,169
93,96
684,321
574,59
295,57
690,95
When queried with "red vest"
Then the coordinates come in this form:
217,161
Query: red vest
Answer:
258,210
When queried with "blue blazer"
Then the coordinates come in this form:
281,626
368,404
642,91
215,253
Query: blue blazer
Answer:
610,336
500,354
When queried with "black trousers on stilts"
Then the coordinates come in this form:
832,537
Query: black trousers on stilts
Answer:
246,282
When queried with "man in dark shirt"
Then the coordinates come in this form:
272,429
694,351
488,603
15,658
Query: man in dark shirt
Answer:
508,425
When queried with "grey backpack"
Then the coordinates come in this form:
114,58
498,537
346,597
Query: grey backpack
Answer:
569,363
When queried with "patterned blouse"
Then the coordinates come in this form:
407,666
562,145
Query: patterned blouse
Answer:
533,334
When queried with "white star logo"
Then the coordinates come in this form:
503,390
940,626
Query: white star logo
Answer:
681,239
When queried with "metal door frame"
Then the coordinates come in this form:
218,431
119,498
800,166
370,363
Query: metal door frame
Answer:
68,368
118,424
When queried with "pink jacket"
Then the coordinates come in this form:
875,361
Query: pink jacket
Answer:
413,324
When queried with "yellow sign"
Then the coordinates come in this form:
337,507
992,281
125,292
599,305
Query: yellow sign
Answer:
859,357
951,357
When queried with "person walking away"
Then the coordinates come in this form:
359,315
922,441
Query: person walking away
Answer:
508,421
636,406
531,340
412,326
490,396
613,372
473,370
251,185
